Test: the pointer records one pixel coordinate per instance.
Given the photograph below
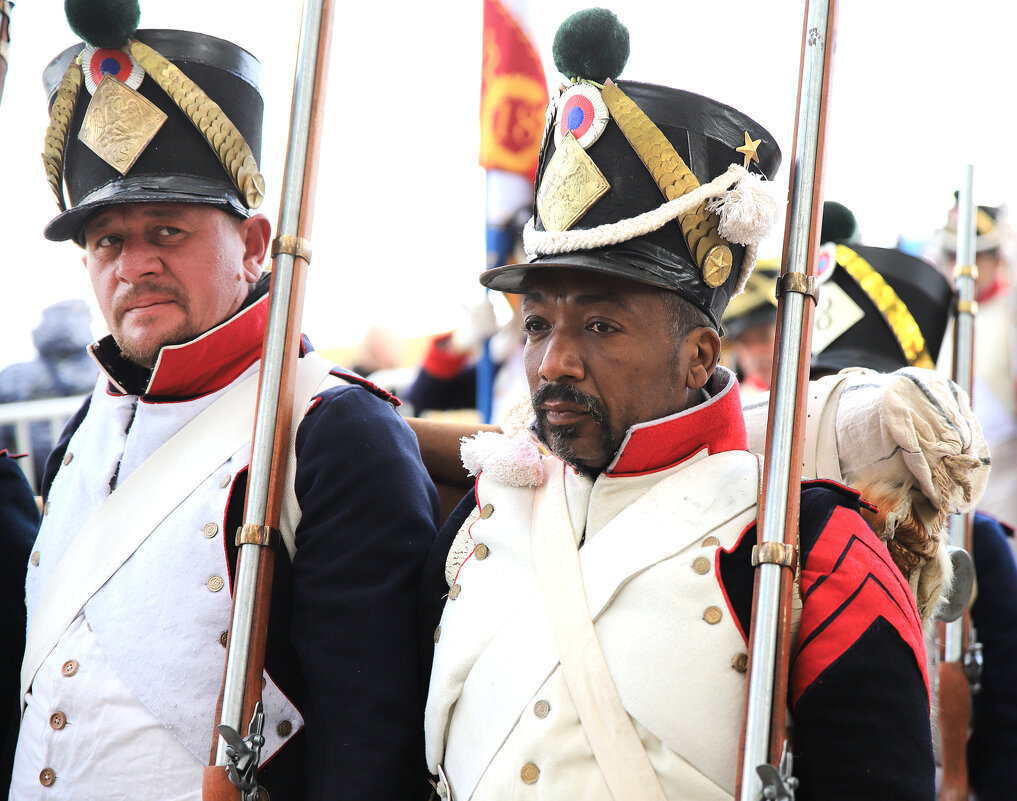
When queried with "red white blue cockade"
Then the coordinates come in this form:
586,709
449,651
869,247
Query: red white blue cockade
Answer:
582,112
97,62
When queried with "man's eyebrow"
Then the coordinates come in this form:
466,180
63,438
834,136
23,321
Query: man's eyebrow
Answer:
589,299
610,298
583,300
151,212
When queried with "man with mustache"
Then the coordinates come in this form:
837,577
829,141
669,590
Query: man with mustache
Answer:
130,578
590,599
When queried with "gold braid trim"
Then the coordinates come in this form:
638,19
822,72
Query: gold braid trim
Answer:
58,130
221,134
709,250
893,309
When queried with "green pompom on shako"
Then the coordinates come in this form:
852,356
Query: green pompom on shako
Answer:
839,223
591,44
103,23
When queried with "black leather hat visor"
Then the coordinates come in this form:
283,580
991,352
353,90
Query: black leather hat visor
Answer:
143,189
636,260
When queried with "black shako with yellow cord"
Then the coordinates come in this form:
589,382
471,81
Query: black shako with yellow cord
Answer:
893,307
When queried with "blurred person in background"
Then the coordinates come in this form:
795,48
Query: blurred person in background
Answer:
447,379
994,390
19,522
750,325
62,367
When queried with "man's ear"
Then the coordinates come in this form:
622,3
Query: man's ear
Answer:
704,343
256,232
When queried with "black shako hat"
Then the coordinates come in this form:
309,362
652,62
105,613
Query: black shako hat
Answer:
637,180
903,306
150,116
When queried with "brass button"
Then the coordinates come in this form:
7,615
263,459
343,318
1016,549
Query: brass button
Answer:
70,667
284,729
541,708
45,509
701,565
210,530
225,481
437,634
486,511
740,662
453,592
47,777
215,583
711,542
712,615
481,551
530,773
224,638
35,559
67,460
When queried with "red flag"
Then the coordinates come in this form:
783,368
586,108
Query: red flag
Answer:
513,91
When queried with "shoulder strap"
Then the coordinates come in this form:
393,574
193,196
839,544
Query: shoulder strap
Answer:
168,477
313,376
613,739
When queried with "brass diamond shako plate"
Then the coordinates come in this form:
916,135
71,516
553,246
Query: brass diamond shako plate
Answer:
572,184
119,124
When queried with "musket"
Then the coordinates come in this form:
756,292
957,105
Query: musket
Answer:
765,763
960,656
5,39
232,773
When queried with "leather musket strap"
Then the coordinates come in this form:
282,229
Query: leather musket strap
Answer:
608,727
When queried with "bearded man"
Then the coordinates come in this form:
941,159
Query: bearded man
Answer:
130,578
590,599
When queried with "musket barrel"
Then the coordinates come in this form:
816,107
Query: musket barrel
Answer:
963,365
954,634
272,419
782,469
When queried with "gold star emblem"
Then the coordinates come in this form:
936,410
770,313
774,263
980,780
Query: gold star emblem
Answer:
749,150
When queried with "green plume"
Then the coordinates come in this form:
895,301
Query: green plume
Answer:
591,44
103,23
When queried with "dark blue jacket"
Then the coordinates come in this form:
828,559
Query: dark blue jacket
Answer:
19,523
342,633
992,750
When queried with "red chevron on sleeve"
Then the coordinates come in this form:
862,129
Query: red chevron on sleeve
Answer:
847,583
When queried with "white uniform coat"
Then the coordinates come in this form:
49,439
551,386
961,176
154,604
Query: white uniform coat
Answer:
499,712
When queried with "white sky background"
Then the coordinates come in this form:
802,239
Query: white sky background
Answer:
919,90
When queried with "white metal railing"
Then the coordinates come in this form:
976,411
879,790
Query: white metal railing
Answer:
20,416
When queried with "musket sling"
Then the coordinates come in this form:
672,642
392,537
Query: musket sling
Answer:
168,477
608,727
